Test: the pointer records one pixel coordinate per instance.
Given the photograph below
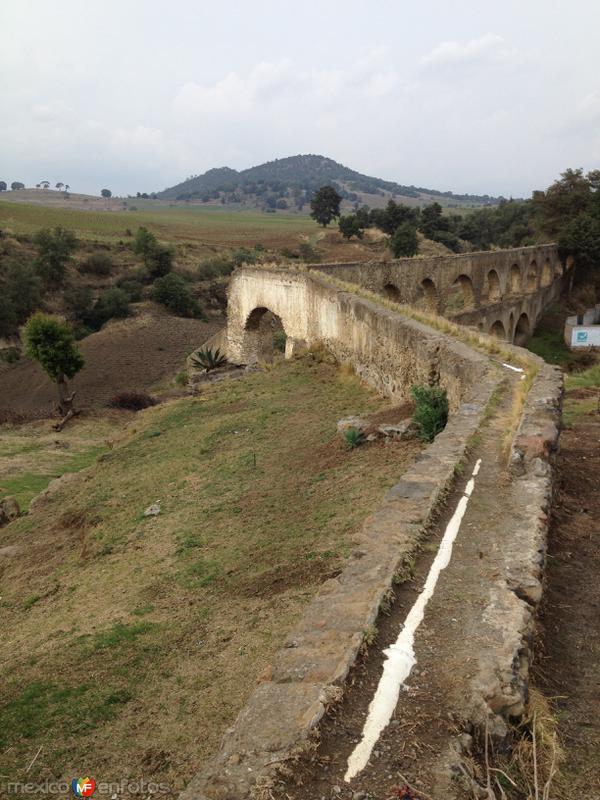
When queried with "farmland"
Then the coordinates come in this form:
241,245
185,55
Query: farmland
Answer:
211,227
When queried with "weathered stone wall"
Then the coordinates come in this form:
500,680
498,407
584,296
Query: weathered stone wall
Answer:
503,292
308,673
388,350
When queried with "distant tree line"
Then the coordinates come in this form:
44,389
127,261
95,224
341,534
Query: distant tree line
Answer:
568,212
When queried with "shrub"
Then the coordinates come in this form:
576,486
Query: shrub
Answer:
132,288
208,360
353,438
308,253
279,340
431,410
10,355
181,379
22,288
215,266
133,401
243,256
96,264
55,250
160,261
112,303
144,242
173,292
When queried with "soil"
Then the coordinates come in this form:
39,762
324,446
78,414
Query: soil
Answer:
131,354
569,660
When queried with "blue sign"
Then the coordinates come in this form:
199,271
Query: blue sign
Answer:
582,336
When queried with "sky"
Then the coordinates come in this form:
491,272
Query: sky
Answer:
136,95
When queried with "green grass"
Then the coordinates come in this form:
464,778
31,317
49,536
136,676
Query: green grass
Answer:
178,223
589,378
41,705
25,485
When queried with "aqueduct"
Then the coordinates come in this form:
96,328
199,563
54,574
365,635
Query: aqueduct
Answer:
502,293
391,347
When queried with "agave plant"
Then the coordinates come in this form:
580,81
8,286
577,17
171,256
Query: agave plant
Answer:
208,359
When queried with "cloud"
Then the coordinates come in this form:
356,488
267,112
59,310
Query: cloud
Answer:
271,85
489,48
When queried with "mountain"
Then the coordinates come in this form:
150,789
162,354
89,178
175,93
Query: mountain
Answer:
290,182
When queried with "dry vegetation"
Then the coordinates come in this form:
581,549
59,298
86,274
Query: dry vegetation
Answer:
135,640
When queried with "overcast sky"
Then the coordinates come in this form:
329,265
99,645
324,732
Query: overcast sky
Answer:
135,95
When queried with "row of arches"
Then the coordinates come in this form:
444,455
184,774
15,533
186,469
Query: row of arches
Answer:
461,295
520,335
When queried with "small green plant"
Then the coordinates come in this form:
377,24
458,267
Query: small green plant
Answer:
208,359
279,340
10,354
181,378
353,438
431,410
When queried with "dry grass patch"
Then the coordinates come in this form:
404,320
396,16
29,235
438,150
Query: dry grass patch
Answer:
133,641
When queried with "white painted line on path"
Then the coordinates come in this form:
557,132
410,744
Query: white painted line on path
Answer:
400,655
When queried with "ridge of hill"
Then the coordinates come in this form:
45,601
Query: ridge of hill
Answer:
289,182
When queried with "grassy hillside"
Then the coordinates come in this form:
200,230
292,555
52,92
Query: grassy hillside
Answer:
133,641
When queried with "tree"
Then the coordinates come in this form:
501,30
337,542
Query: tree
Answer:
45,184
404,241
325,205
432,220
22,288
106,193
387,219
350,226
59,186
16,185
2,186
55,249
144,243
157,258
50,342
173,292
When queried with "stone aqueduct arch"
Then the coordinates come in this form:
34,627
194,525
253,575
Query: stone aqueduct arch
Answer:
511,287
502,293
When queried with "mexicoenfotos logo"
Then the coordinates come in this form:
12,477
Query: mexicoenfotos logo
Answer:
83,787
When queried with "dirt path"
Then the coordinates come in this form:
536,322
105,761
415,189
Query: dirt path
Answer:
456,650
569,662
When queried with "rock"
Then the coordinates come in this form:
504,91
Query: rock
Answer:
347,423
9,510
407,429
152,510
359,796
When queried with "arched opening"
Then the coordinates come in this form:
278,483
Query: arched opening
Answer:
498,330
532,277
461,295
427,296
516,282
265,336
547,273
493,285
522,331
392,292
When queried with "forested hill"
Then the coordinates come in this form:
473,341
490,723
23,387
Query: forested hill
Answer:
290,182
